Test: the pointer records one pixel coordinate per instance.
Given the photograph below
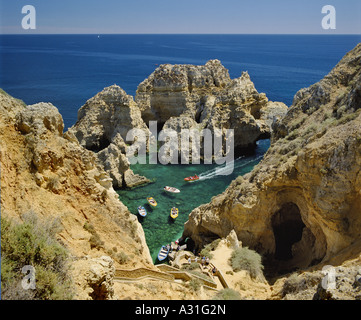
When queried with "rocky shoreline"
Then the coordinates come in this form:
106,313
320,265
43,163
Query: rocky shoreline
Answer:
301,205
177,97
299,208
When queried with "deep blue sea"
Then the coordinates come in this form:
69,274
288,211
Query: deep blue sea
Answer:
67,70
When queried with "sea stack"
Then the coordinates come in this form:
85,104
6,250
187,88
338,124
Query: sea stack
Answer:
102,127
205,97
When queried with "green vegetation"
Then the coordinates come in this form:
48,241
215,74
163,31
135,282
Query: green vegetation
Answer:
192,266
298,122
206,251
121,257
200,275
33,243
95,241
227,294
195,284
347,117
246,259
293,135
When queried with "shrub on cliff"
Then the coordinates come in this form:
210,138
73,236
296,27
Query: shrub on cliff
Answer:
246,259
227,294
192,266
206,251
95,241
195,284
33,243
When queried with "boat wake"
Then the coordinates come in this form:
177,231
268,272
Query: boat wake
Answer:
224,168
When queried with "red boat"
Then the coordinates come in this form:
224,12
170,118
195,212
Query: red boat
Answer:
191,179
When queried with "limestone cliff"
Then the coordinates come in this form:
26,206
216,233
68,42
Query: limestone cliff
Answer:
177,97
299,207
50,174
208,98
102,127
302,204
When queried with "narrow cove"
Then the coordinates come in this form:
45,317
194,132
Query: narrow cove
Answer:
159,227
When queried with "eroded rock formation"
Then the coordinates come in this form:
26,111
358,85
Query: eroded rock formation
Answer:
102,127
177,97
49,173
209,99
94,278
302,204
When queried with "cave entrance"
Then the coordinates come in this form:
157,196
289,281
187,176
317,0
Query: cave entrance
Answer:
99,145
287,228
295,245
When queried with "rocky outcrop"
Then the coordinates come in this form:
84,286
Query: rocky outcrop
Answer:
209,99
177,97
102,126
173,90
329,283
94,278
301,205
49,173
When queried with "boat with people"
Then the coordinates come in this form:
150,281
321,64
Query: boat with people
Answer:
171,189
174,212
163,252
142,212
152,201
192,178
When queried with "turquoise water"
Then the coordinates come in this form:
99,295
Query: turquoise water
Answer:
67,70
158,227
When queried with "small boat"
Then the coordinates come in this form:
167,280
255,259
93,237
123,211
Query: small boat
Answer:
163,253
191,179
142,211
174,212
152,202
171,189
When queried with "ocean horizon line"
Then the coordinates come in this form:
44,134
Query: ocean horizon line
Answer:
182,34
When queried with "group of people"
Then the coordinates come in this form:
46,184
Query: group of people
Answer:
170,247
204,261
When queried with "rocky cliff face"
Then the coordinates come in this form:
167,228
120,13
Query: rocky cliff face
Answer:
50,174
102,127
177,97
302,204
205,97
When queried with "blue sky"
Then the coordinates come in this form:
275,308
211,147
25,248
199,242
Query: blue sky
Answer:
181,16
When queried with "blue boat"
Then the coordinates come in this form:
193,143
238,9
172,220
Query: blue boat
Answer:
163,253
142,211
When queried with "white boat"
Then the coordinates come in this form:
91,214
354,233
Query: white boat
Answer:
142,211
163,253
171,189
